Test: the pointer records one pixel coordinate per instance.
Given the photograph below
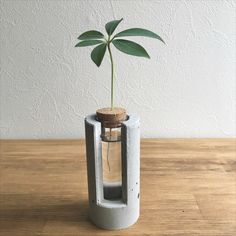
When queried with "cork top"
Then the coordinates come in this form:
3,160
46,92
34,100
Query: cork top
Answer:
111,118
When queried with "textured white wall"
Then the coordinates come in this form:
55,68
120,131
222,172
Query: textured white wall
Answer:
187,89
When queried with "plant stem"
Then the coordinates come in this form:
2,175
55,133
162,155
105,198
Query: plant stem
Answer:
112,77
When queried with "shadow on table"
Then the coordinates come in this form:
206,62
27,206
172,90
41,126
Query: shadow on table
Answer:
23,207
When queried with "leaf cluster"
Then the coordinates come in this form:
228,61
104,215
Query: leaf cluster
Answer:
94,37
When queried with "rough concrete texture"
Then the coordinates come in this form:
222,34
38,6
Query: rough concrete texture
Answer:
114,214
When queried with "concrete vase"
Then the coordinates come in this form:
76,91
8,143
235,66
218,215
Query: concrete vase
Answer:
113,206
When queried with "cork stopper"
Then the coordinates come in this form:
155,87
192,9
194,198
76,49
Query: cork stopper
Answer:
111,118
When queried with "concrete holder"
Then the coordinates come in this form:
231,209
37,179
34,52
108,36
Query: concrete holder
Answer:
122,213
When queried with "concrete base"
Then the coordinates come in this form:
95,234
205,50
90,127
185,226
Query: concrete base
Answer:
121,213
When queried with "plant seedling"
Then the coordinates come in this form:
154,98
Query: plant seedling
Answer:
94,37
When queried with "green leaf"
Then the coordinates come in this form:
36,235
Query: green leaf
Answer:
92,34
111,26
98,53
130,48
139,32
88,43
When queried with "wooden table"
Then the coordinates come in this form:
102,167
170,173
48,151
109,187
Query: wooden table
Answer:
188,187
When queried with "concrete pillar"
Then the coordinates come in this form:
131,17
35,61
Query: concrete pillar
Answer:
121,213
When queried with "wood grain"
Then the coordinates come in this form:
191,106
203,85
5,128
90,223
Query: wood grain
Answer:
188,187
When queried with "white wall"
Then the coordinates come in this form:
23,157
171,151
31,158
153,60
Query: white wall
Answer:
187,89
